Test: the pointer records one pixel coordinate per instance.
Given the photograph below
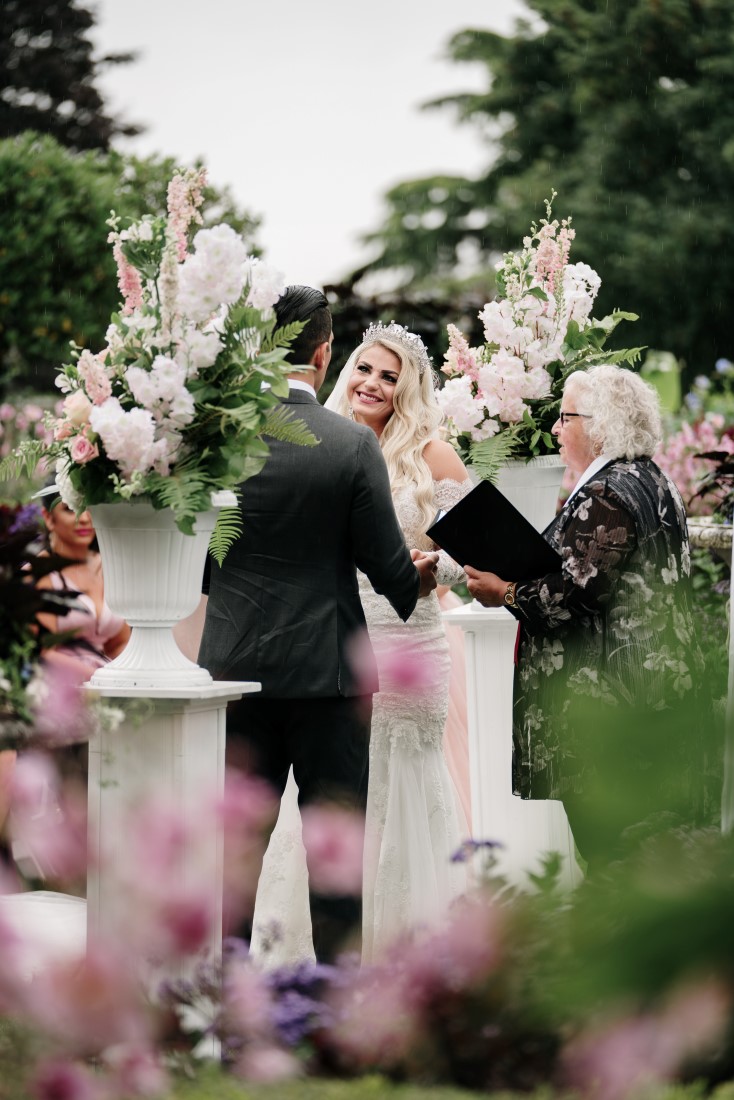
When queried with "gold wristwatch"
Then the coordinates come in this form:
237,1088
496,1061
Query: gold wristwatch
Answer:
510,594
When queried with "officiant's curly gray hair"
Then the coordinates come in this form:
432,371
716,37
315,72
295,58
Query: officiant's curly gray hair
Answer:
622,411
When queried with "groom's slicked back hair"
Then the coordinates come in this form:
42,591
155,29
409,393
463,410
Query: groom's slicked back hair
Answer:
303,303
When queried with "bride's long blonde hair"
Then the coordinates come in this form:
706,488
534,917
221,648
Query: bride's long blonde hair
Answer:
414,422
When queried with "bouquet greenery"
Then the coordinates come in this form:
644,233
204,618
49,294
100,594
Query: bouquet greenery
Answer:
503,397
179,401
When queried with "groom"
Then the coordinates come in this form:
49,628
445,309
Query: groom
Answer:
284,607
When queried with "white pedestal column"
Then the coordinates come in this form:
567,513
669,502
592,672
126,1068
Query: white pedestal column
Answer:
176,755
526,829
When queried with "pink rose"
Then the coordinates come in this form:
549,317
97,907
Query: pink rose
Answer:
77,407
83,451
63,429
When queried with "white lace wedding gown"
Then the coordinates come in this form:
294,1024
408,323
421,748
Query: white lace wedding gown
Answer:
414,821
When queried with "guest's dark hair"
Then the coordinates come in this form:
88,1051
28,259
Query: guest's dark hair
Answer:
303,303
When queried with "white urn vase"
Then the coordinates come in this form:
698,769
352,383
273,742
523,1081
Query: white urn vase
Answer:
533,487
152,579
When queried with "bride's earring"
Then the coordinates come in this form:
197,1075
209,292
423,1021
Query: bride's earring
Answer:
351,413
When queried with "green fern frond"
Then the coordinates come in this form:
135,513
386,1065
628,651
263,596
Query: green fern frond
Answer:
280,424
186,497
228,529
490,454
23,460
282,337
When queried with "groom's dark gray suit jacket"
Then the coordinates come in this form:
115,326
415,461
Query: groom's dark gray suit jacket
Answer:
284,606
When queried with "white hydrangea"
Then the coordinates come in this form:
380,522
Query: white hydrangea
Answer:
499,323
128,436
580,288
162,391
267,284
459,405
198,350
213,273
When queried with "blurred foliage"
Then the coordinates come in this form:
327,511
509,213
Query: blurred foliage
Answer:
48,74
58,280
626,109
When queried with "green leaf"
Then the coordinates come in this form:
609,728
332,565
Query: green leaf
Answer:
280,424
227,530
490,454
24,458
537,292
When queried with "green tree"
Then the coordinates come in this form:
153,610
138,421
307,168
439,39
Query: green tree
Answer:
626,108
48,74
58,281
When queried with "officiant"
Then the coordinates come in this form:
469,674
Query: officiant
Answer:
607,661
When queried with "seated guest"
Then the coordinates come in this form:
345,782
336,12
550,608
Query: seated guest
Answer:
607,657
99,635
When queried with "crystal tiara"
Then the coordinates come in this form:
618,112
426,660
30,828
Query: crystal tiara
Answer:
401,335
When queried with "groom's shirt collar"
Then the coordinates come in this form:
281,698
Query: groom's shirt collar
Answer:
299,384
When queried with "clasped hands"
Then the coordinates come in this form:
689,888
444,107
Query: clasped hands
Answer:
426,562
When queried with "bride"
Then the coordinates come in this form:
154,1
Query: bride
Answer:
414,821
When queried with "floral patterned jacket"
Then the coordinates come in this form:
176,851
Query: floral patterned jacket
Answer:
614,626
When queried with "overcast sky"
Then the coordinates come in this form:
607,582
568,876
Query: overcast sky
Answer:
308,109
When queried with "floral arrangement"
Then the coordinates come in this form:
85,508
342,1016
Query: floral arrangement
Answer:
683,458
502,398
177,403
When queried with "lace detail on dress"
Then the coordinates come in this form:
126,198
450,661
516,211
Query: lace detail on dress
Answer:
447,493
414,822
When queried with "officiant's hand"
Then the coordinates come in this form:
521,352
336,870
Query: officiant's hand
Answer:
489,589
426,562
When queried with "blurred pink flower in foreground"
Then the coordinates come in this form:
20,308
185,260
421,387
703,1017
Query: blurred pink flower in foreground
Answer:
46,821
248,1002
404,666
267,1064
90,1004
334,841
60,711
457,956
613,1060
376,1020
135,1070
247,813
61,1080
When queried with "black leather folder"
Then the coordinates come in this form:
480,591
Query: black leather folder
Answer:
486,531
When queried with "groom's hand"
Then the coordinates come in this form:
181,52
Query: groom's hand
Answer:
426,562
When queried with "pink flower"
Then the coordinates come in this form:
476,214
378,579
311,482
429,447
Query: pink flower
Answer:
128,280
82,450
267,1064
457,956
63,429
59,708
376,1020
619,1058
62,1080
185,196
334,841
135,1070
248,1001
91,1003
77,407
187,918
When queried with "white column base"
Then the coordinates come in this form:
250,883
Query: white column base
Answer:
175,755
526,829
